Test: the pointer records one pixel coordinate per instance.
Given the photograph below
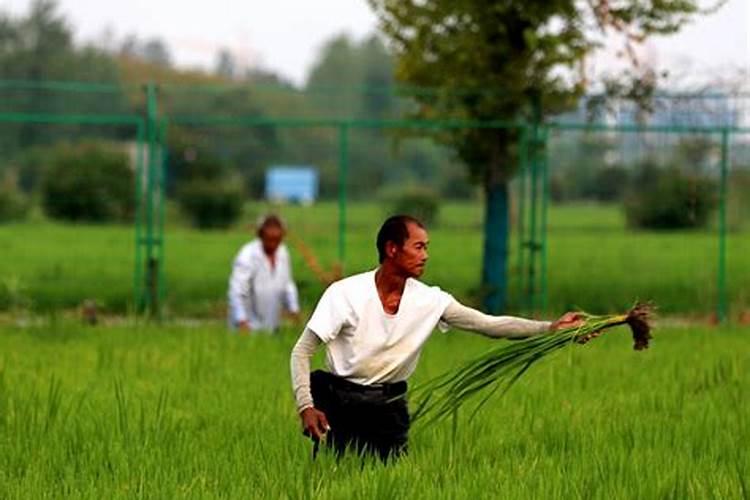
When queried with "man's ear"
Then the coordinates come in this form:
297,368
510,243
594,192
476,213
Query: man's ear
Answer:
390,249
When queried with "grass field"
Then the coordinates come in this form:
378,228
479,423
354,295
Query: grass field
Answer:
179,412
594,262
182,409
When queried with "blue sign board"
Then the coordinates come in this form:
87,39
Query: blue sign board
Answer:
292,183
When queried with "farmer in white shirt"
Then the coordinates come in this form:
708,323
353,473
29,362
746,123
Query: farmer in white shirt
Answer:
261,283
374,326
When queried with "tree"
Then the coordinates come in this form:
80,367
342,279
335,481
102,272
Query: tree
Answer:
226,66
510,60
38,46
153,51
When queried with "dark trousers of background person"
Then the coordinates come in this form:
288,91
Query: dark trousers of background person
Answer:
365,419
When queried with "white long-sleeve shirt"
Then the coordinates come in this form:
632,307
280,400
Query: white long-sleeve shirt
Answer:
258,292
368,346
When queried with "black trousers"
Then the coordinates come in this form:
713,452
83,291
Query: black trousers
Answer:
365,419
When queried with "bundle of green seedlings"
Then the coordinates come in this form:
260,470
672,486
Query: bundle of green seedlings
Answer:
500,368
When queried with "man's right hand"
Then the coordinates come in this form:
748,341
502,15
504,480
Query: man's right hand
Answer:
314,423
244,327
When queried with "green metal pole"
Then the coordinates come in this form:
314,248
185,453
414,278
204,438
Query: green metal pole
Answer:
543,224
164,152
343,171
722,305
522,215
138,271
151,262
532,242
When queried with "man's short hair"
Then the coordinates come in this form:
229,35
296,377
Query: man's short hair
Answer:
267,221
394,229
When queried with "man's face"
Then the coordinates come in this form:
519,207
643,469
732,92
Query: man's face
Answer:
412,257
271,237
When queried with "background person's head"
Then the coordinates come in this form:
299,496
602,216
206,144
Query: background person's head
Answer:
402,243
271,231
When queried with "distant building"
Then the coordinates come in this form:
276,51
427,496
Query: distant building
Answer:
292,183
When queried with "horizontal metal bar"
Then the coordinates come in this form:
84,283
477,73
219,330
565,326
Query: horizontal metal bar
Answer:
64,86
71,119
675,129
339,122
396,89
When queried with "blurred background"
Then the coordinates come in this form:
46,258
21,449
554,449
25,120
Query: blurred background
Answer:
597,156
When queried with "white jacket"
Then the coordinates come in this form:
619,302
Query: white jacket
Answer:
257,292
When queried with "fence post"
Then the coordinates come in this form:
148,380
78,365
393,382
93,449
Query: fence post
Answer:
138,282
525,132
343,171
153,268
163,162
721,306
543,222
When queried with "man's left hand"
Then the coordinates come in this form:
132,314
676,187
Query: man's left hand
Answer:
568,320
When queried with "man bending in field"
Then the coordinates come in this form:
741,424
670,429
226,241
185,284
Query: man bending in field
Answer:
261,283
374,325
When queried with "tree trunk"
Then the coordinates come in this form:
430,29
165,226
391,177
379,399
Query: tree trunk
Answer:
495,258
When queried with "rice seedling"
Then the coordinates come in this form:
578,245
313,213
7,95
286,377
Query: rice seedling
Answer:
500,368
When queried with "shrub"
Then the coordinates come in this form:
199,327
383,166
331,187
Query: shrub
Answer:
738,203
211,204
13,204
422,203
609,184
88,182
670,199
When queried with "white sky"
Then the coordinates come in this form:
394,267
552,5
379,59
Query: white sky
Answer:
285,35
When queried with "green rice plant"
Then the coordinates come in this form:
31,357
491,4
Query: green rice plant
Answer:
500,368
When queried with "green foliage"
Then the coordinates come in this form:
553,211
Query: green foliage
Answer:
670,199
355,80
475,51
365,73
584,168
512,60
39,46
584,240
600,183
211,204
738,203
160,411
610,183
88,181
206,191
420,202
13,204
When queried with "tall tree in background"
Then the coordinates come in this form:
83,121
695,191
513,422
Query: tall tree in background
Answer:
226,65
353,79
508,60
39,46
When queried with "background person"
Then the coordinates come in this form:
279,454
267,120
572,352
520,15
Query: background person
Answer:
261,284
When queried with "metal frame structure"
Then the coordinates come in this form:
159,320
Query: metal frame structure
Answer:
152,132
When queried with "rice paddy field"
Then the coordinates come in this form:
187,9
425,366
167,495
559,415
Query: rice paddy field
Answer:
594,261
139,411
182,409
